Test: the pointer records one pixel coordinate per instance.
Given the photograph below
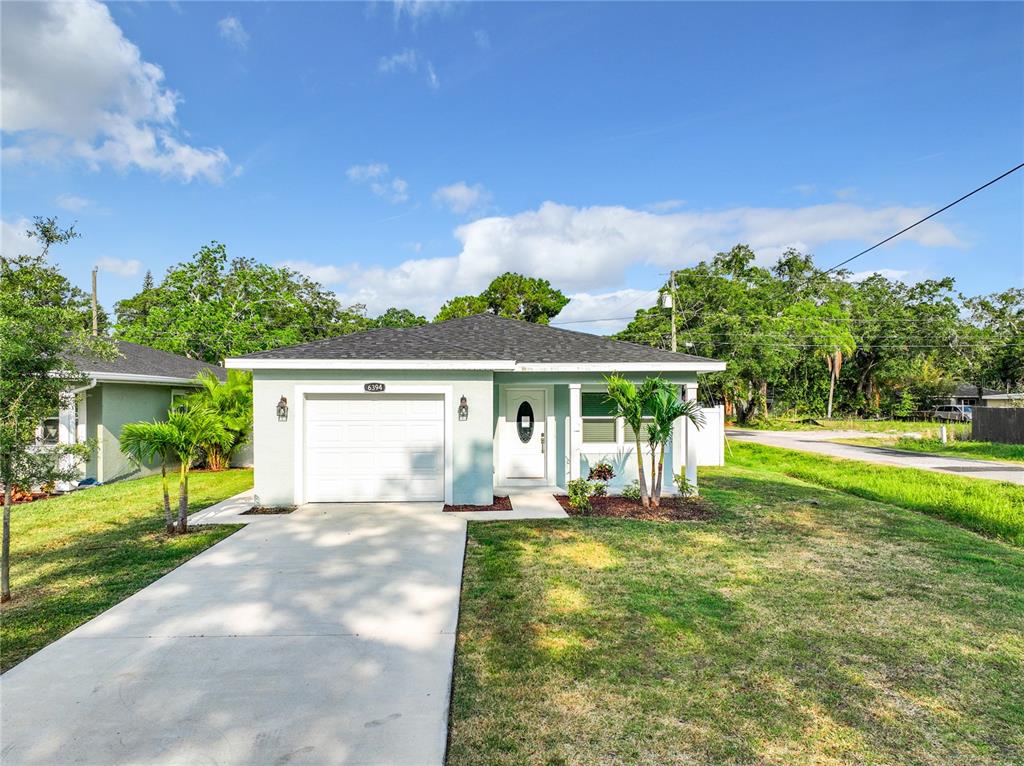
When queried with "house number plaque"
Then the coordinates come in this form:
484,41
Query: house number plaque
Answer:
373,388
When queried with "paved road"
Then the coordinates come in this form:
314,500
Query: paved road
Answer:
818,441
321,637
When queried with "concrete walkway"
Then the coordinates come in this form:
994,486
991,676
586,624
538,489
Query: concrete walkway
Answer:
819,442
321,637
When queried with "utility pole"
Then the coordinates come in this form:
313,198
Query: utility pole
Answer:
95,313
672,289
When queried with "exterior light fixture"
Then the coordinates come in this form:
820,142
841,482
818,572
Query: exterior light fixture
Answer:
463,409
282,409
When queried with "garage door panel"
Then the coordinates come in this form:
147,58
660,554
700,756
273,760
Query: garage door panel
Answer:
374,448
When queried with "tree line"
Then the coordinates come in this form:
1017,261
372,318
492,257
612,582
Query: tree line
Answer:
807,341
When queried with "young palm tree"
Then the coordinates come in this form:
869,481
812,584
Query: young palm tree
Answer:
666,408
193,427
630,403
145,442
231,400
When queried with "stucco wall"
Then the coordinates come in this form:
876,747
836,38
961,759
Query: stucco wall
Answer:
122,403
274,441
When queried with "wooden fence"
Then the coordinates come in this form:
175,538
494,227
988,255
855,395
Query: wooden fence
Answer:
998,424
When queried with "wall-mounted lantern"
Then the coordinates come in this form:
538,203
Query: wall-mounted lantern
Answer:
463,409
282,409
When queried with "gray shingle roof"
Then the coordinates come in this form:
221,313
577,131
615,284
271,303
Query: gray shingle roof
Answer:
133,359
482,337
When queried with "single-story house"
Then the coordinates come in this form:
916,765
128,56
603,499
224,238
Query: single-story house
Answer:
967,393
139,384
452,411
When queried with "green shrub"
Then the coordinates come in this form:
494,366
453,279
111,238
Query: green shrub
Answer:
632,491
683,486
580,491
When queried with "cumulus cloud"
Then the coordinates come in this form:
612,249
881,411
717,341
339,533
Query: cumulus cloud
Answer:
613,309
119,266
14,239
325,274
73,202
231,29
589,250
896,274
74,86
377,176
460,197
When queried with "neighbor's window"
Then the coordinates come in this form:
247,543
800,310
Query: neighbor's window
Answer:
49,431
598,418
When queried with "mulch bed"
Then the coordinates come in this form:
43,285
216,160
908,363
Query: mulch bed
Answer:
265,510
499,504
671,509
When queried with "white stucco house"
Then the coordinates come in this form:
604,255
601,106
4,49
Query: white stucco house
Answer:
453,411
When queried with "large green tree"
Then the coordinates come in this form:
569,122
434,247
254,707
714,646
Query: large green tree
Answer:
43,318
210,308
509,295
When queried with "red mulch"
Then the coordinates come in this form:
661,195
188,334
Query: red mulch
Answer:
671,509
499,504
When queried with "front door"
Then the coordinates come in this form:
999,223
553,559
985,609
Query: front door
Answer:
524,441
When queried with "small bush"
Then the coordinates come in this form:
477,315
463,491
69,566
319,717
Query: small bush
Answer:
632,491
598,489
602,472
579,495
683,487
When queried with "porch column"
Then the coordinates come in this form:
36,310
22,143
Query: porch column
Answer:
575,429
689,391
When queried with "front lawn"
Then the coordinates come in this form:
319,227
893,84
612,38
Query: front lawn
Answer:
990,507
926,428
77,555
800,625
971,449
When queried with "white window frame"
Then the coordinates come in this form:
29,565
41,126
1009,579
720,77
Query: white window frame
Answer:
619,427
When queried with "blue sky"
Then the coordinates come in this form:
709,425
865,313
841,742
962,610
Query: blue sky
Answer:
402,153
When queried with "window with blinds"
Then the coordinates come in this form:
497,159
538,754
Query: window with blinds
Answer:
598,418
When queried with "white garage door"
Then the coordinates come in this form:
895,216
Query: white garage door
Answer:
368,448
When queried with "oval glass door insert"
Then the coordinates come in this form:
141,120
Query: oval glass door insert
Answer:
524,422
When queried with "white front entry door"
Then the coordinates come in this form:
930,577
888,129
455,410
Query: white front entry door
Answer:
371,448
524,441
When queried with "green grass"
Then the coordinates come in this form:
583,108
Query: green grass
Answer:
801,625
989,507
75,556
927,428
977,450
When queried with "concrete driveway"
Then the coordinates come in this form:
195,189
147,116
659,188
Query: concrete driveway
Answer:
819,442
321,637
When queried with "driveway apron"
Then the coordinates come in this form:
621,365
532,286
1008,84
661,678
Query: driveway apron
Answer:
321,637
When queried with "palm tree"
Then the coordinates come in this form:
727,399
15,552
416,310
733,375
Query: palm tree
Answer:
666,408
630,403
145,442
231,401
193,427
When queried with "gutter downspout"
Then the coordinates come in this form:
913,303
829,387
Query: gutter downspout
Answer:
73,393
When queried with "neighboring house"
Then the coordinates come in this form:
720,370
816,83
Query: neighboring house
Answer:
966,393
139,384
996,399
450,411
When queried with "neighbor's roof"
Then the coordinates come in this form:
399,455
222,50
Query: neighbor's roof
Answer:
968,390
482,339
142,364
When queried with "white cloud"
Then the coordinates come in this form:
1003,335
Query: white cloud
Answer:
665,205
74,86
846,193
806,189
587,250
73,202
420,9
15,241
896,274
614,309
378,176
231,29
460,197
432,79
482,39
407,60
119,266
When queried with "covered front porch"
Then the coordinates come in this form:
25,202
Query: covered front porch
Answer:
552,428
